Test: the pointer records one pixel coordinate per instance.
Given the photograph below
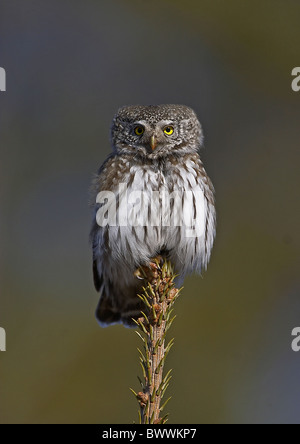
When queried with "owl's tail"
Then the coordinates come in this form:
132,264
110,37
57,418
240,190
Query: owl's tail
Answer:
118,309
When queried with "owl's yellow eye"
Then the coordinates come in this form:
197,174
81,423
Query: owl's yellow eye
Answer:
139,130
168,130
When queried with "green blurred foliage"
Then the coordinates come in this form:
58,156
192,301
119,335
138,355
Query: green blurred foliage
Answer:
69,66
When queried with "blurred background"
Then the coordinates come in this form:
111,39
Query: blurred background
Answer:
69,66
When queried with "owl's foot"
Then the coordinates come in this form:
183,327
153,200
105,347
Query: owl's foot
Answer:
150,271
156,263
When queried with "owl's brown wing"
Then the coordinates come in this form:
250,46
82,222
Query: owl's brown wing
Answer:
118,302
100,182
107,312
98,280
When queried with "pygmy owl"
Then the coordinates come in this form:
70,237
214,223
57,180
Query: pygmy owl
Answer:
152,197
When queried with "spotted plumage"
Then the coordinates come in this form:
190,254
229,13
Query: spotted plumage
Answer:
155,168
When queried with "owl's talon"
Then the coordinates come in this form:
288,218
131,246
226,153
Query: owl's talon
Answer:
150,271
138,274
157,262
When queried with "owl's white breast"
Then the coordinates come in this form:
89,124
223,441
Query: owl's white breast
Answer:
158,210
146,178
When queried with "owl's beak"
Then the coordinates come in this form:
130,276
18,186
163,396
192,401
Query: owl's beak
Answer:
153,142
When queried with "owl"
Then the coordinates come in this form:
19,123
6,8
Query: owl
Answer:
151,197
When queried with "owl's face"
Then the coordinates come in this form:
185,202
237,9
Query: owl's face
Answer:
156,130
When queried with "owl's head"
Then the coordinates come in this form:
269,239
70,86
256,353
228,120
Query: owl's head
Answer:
156,130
